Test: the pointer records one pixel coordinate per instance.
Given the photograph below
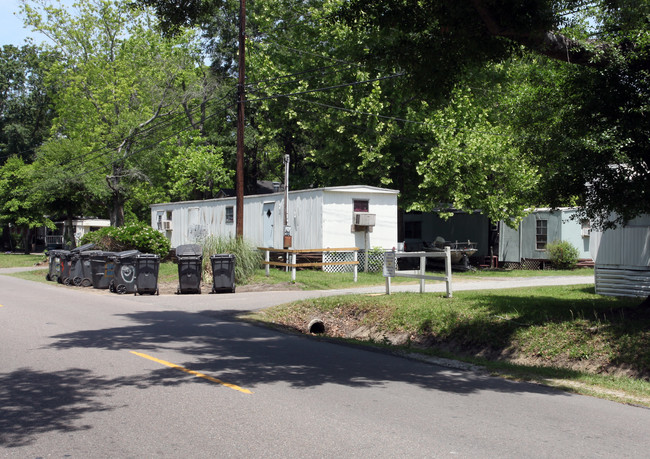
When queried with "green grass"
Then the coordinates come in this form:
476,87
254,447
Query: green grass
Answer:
563,335
525,272
16,260
168,272
318,280
36,275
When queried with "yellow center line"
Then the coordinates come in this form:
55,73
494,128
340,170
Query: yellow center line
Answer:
192,372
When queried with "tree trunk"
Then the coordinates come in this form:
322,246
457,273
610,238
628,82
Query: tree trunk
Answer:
117,210
68,233
117,205
27,240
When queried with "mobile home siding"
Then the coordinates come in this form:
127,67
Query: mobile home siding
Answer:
622,258
520,243
306,219
338,213
318,218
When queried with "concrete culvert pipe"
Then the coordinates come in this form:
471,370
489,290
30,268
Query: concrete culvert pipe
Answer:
316,326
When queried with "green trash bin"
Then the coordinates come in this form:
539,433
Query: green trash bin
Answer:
55,258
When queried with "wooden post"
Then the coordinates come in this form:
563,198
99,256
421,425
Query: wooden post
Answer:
267,258
356,266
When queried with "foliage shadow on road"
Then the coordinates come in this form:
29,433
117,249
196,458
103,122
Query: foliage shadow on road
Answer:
35,402
216,344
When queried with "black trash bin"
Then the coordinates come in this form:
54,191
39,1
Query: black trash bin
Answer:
223,273
146,273
83,275
55,258
72,272
190,268
102,268
124,272
66,265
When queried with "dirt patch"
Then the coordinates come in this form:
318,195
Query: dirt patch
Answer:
171,288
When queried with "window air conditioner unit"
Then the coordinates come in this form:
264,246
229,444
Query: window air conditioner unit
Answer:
167,224
364,219
586,231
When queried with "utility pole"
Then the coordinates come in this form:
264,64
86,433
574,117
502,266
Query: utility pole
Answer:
287,229
241,100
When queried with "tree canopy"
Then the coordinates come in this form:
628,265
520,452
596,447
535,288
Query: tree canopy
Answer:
477,105
593,150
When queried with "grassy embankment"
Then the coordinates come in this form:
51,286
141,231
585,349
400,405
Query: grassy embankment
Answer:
564,335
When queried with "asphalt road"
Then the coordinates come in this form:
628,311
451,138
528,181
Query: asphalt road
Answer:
91,375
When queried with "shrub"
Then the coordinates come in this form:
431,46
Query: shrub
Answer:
563,254
132,236
247,258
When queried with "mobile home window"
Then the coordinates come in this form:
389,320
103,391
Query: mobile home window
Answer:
230,214
542,234
361,205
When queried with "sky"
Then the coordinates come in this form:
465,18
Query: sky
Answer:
11,25
12,31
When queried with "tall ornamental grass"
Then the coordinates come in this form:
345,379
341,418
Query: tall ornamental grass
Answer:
247,258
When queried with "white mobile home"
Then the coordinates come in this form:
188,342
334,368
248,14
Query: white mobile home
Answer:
333,217
622,257
528,240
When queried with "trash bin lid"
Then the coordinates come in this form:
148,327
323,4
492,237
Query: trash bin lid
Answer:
189,250
147,255
126,254
218,256
83,248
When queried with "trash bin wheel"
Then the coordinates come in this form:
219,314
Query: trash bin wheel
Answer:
47,277
120,289
77,281
67,281
86,283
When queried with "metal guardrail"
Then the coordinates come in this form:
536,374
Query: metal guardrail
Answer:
390,268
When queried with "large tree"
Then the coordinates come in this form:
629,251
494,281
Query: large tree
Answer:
122,87
20,204
25,100
597,151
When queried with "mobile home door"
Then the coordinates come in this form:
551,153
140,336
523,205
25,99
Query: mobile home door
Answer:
268,215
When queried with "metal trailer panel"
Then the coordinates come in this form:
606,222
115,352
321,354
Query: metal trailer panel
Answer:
622,258
622,281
